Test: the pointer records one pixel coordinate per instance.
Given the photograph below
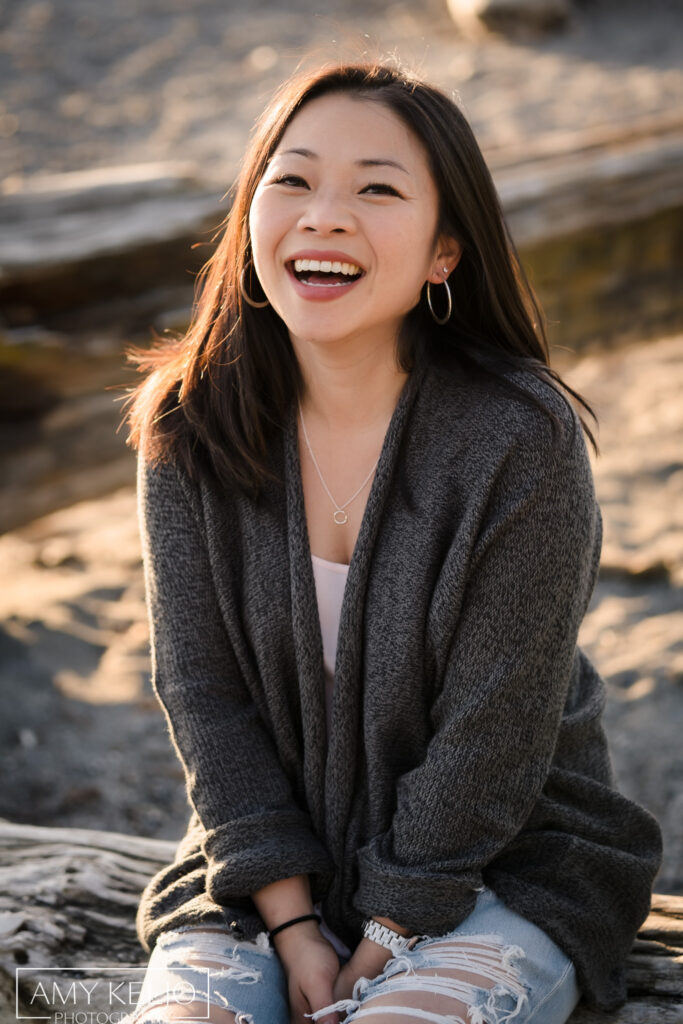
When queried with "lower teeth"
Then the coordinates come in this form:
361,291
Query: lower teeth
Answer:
328,284
325,284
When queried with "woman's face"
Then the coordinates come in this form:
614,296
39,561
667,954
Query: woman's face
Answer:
348,188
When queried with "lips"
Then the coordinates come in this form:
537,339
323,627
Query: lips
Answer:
325,255
323,275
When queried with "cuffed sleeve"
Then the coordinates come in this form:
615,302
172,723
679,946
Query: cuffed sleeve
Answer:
497,715
254,832
242,853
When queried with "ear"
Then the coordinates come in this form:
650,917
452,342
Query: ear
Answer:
446,260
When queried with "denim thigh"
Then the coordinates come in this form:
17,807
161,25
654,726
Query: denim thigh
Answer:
244,977
529,979
525,976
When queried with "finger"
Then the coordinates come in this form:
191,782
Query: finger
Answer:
329,1018
343,986
300,1018
298,1005
320,994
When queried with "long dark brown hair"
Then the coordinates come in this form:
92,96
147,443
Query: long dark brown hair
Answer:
215,398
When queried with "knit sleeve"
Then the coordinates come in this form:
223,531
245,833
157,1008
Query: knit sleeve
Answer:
497,713
255,833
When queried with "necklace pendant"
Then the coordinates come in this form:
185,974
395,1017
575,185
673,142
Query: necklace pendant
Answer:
340,517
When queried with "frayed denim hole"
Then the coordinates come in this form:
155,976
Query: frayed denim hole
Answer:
198,997
222,1001
365,987
405,963
140,1016
479,938
169,940
244,975
164,982
170,937
214,998
217,999
178,936
263,942
234,971
188,972
261,945
186,984
497,1005
343,1006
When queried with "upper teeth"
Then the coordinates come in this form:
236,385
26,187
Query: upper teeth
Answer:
326,266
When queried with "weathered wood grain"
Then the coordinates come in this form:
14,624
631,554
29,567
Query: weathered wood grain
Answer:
90,260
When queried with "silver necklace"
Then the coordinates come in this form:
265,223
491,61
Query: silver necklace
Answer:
340,515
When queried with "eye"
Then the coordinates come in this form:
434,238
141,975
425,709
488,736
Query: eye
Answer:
292,180
380,189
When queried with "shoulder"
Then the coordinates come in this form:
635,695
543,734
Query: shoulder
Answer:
483,440
498,415
163,487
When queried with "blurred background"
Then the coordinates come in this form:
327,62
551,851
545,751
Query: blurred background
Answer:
121,130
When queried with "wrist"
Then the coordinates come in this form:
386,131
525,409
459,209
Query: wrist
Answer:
388,923
294,937
378,932
370,957
283,900
292,922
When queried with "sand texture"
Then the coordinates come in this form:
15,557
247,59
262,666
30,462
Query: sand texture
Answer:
89,84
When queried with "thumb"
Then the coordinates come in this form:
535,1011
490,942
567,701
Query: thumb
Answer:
320,994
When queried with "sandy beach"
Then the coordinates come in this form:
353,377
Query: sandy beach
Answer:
91,84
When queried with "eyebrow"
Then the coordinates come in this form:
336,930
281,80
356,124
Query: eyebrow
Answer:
369,162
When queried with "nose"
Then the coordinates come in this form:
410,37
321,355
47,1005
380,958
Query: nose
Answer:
326,213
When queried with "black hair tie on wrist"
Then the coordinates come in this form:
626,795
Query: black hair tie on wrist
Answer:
295,920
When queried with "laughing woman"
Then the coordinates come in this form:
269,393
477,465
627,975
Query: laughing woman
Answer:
370,536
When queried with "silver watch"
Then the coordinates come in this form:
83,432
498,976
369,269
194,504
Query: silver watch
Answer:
387,937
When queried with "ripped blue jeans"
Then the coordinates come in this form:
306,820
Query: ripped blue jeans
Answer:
494,968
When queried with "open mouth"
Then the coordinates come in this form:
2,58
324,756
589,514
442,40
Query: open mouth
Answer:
325,272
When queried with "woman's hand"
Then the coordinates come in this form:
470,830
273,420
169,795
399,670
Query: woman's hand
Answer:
368,961
311,965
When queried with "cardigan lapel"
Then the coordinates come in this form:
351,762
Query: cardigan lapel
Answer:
306,632
330,768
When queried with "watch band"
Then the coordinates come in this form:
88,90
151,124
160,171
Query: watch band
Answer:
387,937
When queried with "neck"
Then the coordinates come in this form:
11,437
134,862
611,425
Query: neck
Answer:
356,392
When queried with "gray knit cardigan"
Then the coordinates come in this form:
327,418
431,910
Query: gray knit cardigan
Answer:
466,745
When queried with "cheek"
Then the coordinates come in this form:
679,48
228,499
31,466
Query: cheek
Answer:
257,224
265,225
410,244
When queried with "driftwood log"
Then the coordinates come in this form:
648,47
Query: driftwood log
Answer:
83,248
89,260
103,236
68,899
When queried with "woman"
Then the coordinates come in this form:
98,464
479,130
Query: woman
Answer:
370,537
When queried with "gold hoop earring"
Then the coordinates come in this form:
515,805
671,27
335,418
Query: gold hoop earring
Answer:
440,319
243,290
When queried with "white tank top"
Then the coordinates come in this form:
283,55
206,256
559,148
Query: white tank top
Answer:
330,580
